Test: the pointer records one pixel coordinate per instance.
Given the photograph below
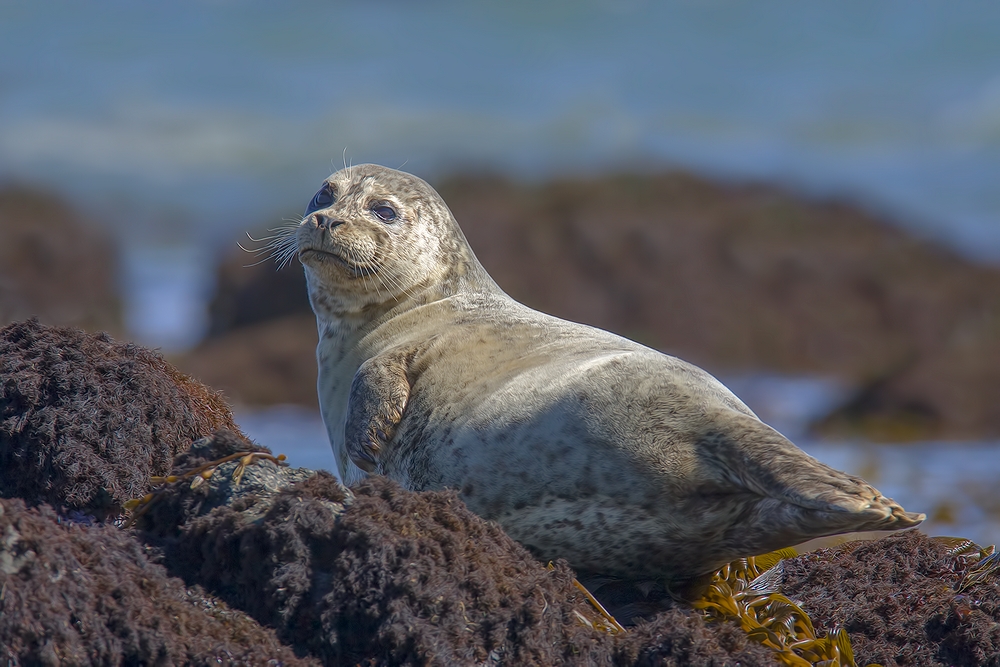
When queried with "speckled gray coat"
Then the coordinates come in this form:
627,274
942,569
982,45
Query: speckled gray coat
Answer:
582,444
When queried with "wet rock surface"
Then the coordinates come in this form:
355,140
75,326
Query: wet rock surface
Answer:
289,567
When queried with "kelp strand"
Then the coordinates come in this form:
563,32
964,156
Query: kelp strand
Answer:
746,591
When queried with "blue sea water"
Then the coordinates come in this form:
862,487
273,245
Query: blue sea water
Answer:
187,123
200,118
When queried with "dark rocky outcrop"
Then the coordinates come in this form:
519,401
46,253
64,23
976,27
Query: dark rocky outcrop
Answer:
896,598
249,291
89,595
85,421
289,567
54,264
380,574
261,364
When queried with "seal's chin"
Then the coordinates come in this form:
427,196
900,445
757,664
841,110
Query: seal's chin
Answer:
316,257
313,256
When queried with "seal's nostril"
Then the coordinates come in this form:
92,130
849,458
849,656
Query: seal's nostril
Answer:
324,221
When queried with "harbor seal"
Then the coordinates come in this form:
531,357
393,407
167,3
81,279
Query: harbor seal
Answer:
581,444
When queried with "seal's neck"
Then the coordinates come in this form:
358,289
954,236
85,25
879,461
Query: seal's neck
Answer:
350,321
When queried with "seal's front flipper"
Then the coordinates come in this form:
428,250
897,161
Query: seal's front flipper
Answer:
379,393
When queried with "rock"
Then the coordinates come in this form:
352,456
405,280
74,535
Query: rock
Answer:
89,595
948,393
54,265
749,278
381,575
249,293
85,421
896,598
268,363
286,566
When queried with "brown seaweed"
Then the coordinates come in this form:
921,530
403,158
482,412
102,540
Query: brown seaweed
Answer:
85,421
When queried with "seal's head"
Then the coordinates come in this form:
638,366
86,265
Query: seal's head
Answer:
374,236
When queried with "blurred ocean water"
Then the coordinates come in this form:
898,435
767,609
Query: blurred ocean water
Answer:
199,119
188,123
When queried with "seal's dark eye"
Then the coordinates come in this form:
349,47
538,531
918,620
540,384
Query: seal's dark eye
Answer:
323,198
384,213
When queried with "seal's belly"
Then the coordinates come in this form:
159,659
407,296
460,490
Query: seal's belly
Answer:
570,428
600,533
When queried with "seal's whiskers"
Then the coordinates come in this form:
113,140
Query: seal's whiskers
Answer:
279,246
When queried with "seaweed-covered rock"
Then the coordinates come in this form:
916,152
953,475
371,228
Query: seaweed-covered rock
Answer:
266,363
247,295
679,637
86,595
398,577
376,575
85,421
381,575
896,598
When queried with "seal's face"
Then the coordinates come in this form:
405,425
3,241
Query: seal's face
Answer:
372,236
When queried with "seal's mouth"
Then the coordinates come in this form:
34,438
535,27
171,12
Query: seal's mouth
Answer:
315,255
356,269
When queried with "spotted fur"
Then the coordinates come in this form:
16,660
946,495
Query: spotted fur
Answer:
580,443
